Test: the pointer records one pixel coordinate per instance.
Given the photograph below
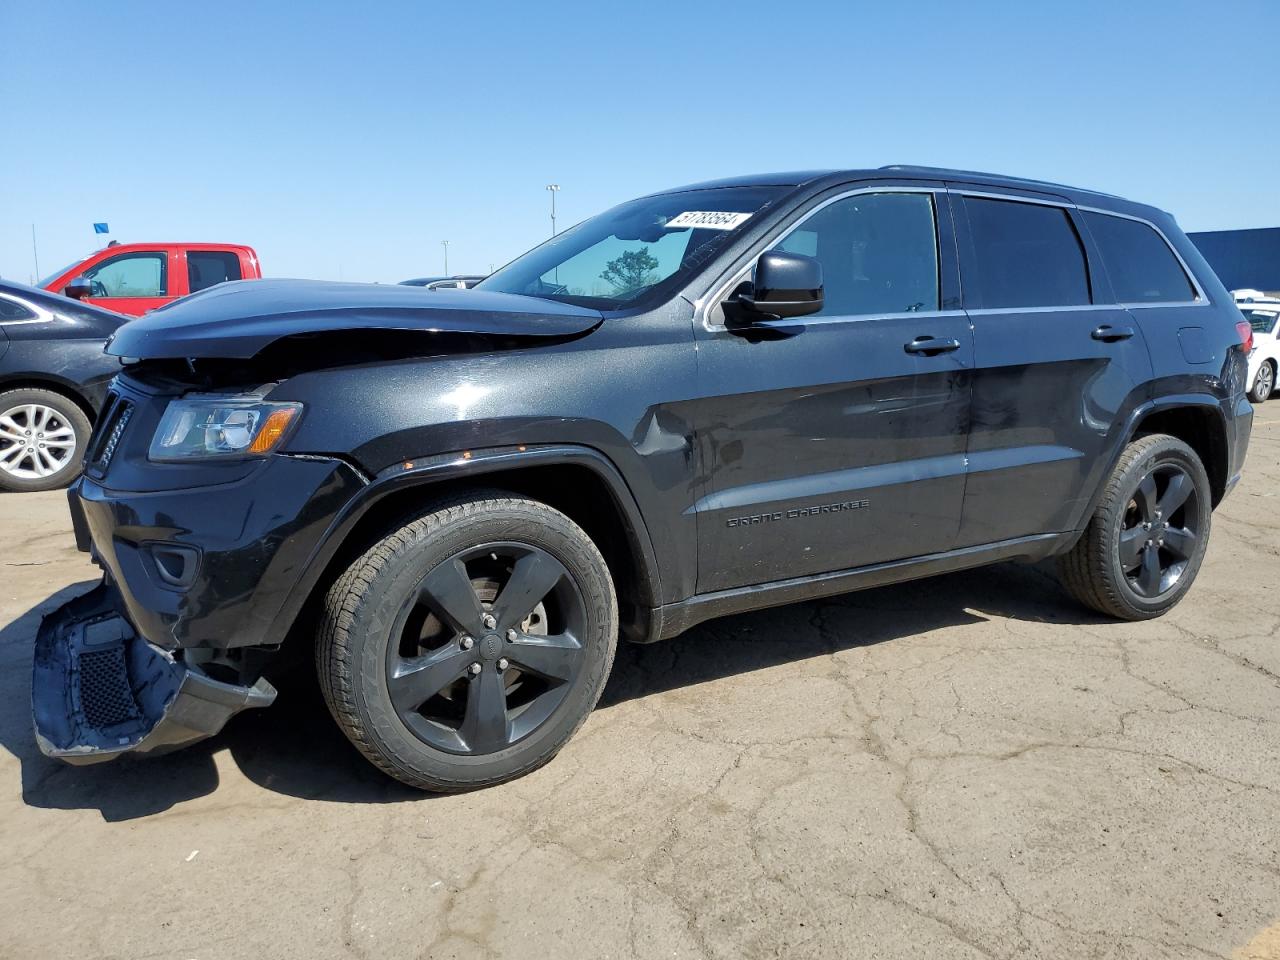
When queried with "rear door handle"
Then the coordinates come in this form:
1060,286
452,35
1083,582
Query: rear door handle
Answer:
932,346
1109,334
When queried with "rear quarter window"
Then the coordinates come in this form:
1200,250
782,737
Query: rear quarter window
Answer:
1028,255
1139,262
11,311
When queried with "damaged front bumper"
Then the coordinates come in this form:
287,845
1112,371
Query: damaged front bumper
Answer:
99,690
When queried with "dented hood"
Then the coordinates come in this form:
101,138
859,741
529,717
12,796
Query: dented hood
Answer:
237,320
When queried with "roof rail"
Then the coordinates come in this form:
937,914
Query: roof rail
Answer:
945,171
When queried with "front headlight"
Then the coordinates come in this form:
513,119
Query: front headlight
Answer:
205,426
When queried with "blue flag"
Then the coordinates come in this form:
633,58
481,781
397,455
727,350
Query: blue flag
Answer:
100,228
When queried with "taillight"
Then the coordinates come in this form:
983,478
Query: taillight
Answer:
1245,329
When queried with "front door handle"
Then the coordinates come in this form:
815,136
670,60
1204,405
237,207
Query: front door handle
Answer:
932,346
1109,334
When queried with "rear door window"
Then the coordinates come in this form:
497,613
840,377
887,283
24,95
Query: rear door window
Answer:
1139,262
206,268
1028,255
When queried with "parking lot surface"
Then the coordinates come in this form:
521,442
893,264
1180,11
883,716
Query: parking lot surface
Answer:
969,766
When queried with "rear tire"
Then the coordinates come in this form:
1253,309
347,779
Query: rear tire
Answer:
43,436
1264,383
1148,534
468,646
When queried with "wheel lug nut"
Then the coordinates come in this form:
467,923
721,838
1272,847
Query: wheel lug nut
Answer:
511,636
474,669
467,643
489,622
502,664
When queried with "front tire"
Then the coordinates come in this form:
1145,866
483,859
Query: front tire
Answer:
467,647
1264,383
1148,534
43,436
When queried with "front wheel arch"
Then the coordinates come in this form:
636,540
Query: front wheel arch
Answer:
551,475
64,388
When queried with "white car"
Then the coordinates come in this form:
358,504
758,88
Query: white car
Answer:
1262,312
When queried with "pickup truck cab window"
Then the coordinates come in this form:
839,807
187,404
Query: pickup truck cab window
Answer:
206,268
131,275
637,252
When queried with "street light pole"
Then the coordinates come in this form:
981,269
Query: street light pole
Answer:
445,244
554,188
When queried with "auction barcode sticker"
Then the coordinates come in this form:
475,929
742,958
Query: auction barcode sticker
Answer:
707,220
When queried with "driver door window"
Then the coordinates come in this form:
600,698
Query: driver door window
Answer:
879,253
131,275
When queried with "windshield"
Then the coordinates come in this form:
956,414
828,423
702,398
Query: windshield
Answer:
637,249
1261,321
57,273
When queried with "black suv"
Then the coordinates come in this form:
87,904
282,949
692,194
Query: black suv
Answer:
713,399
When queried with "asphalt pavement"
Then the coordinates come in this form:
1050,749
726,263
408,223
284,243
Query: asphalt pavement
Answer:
969,766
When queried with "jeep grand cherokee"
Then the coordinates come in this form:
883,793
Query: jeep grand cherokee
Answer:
712,399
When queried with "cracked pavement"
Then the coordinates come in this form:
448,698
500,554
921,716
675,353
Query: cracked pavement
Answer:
968,766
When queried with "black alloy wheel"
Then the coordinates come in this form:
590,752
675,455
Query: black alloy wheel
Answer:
466,647
1144,542
487,648
1160,531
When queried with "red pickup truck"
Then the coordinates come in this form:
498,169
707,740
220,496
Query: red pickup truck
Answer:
133,278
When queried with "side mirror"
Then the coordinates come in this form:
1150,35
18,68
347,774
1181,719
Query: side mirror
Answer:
79,288
786,285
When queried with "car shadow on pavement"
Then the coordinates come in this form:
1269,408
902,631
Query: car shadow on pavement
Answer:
294,747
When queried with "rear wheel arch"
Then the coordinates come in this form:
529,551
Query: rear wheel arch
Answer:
1202,427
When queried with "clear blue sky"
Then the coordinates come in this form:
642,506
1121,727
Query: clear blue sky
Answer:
348,139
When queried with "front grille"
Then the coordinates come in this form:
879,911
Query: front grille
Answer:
106,438
105,696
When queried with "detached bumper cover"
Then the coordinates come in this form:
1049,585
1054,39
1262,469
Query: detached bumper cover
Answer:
99,690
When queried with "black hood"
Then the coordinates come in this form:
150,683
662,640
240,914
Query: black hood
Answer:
238,320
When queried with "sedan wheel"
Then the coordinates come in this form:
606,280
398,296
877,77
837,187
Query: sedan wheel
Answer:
1263,383
42,439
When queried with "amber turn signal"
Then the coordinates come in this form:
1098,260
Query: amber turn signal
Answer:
272,430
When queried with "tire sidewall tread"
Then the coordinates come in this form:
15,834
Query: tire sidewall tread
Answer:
361,607
1091,570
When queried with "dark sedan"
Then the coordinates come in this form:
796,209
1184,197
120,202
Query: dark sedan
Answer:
53,378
